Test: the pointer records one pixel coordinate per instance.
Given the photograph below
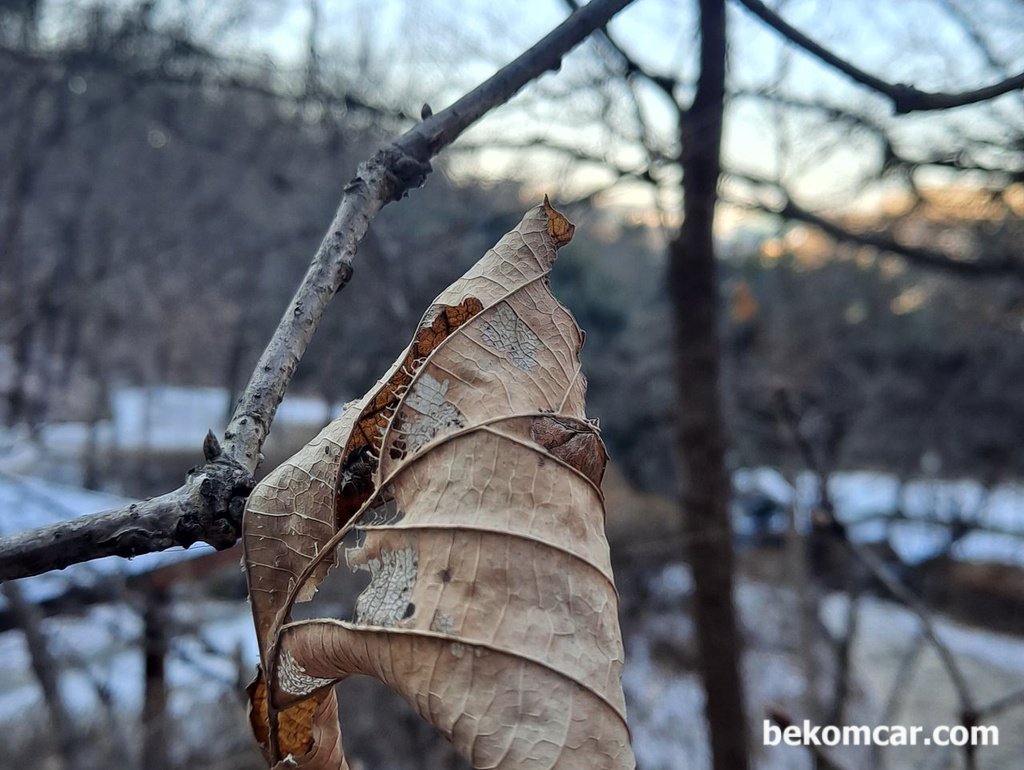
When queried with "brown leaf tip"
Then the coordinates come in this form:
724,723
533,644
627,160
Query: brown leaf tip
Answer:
559,228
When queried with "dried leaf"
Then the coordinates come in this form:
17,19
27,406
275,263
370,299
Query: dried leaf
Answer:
288,517
471,476
308,733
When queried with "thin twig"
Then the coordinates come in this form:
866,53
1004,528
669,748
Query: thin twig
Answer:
234,80
844,662
900,683
821,757
46,669
919,255
666,83
905,98
880,572
932,519
999,705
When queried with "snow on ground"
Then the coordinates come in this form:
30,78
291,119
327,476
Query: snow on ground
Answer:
102,682
665,700
105,655
175,419
863,499
664,697
161,419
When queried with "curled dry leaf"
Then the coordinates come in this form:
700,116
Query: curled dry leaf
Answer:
472,479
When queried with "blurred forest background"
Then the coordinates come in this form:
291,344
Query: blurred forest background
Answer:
168,167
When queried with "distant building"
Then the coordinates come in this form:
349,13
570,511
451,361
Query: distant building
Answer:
154,424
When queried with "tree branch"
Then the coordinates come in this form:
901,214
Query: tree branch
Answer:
46,668
897,692
879,570
900,516
208,506
919,255
822,759
999,705
665,83
905,98
158,73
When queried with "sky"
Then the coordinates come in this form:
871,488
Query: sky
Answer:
451,47
406,53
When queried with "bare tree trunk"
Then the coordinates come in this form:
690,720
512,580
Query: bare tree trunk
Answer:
16,295
154,707
34,136
46,669
700,424
844,660
807,598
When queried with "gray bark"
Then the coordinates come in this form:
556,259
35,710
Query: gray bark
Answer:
700,423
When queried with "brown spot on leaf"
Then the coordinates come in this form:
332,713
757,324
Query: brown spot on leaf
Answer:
559,228
294,723
369,429
574,442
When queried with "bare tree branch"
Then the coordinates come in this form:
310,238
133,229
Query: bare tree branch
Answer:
208,506
958,158
905,98
700,431
632,69
29,619
844,662
234,78
900,683
999,705
832,111
821,757
969,714
900,516
573,152
665,83
919,255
